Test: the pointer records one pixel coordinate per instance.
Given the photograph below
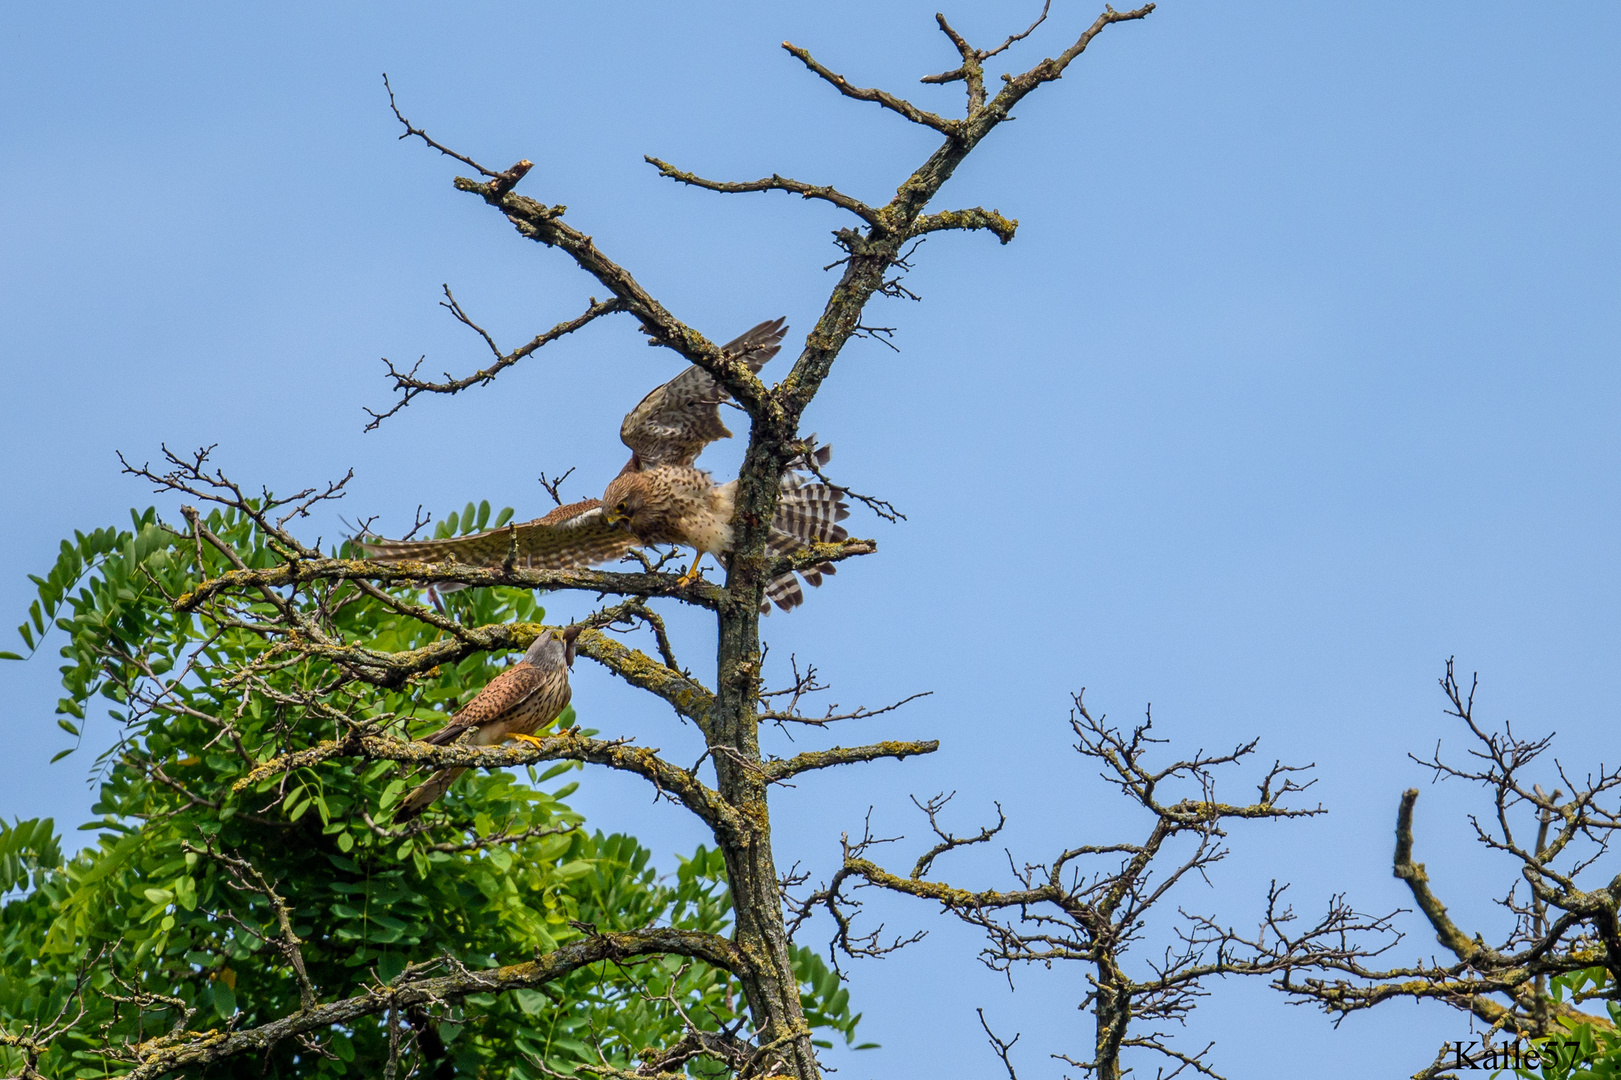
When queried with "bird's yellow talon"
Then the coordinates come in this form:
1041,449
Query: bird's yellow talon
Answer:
529,739
692,573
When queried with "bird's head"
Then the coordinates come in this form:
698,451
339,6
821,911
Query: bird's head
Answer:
624,501
553,648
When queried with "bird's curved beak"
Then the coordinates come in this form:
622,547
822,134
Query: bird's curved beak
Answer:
613,517
570,634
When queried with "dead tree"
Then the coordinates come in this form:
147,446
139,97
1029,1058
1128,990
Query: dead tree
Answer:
1092,904
1552,826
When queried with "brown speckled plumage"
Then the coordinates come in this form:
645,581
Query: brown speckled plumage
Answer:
520,701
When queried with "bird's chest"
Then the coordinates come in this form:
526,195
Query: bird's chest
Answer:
710,531
696,512
540,707
709,526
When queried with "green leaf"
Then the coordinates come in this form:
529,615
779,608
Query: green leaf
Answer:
389,966
224,1000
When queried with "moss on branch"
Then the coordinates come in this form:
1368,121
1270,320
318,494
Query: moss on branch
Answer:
839,755
771,183
189,1049
1447,932
304,571
897,105
687,696
566,746
974,218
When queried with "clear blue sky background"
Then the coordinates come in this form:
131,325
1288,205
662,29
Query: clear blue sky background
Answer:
1299,378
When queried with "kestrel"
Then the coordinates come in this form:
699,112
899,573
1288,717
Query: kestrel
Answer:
514,705
659,497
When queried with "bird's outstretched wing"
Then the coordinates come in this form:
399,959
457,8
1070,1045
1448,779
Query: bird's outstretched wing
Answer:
676,421
568,538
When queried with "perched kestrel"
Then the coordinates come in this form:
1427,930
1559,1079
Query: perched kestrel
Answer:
659,497
514,705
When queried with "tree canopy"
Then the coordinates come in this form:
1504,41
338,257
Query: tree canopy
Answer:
179,915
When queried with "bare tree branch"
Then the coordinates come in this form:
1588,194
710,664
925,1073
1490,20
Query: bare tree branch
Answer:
889,101
1563,929
838,755
410,386
975,218
771,183
1091,903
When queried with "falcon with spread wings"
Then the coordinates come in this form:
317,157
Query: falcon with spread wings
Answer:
660,497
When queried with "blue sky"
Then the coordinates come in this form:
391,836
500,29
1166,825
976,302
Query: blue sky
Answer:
1298,379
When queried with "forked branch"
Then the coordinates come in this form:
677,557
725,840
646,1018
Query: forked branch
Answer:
409,386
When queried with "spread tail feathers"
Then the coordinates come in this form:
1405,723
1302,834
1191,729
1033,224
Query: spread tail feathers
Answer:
808,512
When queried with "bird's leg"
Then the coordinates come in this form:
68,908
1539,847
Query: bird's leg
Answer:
527,738
692,571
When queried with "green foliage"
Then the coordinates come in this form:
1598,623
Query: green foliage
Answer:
26,849
824,999
151,914
1584,1051
471,520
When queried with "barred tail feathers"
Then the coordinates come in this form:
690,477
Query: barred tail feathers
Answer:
808,512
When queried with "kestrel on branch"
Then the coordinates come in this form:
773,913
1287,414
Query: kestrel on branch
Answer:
659,497
514,705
